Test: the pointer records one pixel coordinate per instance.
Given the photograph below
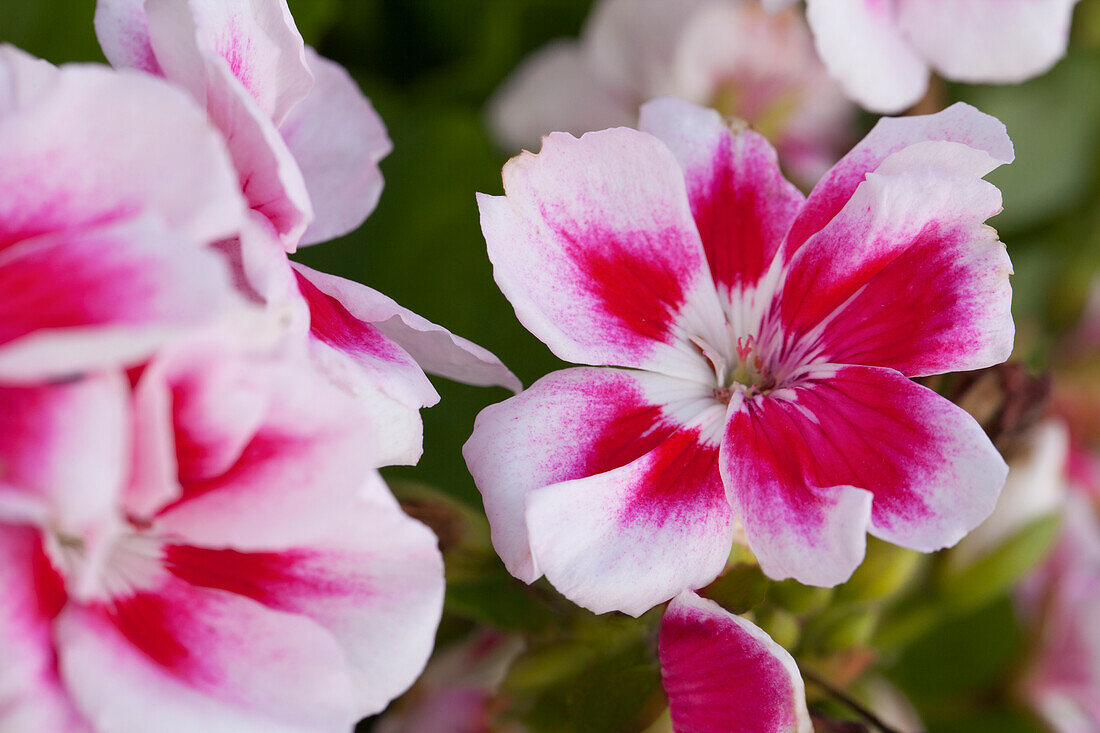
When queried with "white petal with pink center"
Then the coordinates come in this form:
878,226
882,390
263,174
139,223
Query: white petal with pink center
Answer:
305,141
723,674
32,696
254,574
306,144
102,256
613,252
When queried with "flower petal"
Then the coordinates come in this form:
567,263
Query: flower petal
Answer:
196,51
630,44
192,659
64,448
569,425
375,581
103,297
633,537
861,45
269,176
433,347
959,123
284,448
803,463
988,40
257,39
385,363
594,245
338,140
122,29
109,139
554,89
857,292
32,697
725,675
741,203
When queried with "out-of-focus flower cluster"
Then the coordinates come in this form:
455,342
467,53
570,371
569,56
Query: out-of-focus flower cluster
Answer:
193,532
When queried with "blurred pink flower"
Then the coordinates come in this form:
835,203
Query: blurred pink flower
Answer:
768,342
728,54
1035,488
723,674
306,143
1061,601
204,546
457,691
115,186
881,51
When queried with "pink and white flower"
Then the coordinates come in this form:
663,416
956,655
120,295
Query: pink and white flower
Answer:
728,54
305,141
208,549
104,255
1062,603
764,346
882,51
723,674
306,144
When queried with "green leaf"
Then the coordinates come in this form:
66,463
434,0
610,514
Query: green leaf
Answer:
1054,123
886,570
797,598
992,575
739,589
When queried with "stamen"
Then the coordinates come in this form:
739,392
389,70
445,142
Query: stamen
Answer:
717,361
745,347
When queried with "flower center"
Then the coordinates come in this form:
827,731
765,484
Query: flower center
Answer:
750,371
749,375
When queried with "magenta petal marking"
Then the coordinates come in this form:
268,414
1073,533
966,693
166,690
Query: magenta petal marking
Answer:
270,578
642,295
724,675
331,322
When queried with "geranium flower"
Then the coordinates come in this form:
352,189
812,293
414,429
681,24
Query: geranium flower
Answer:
767,342
306,143
728,54
1061,603
104,255
209,549
881,50
723,674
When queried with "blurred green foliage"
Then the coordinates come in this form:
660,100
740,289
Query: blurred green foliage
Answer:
429,66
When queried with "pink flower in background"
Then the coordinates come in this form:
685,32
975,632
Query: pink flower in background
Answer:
1035,488
882,51
115,186
723,674
728,54
1061,601
456,692
768,342
306,143
208,549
